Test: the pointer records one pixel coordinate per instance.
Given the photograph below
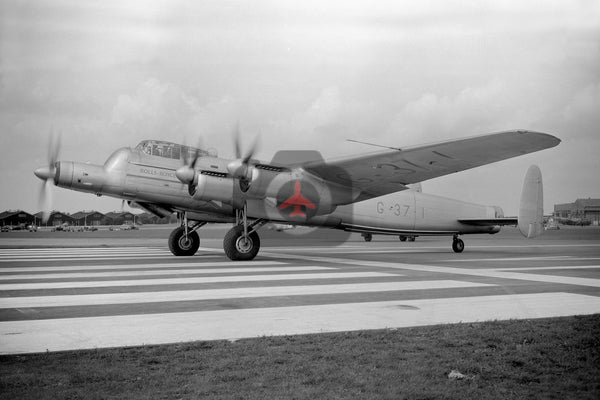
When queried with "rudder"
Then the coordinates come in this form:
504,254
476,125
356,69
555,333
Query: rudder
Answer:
531,208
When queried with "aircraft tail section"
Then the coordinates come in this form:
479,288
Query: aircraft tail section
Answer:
531,208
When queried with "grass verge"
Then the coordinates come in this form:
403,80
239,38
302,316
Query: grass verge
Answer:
547,358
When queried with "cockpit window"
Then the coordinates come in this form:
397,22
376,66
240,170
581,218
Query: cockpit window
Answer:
169,150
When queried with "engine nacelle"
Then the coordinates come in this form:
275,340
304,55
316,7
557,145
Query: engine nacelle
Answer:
79,176
217,188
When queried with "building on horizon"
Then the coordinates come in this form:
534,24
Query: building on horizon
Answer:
16,218
56,218
88,218
581,210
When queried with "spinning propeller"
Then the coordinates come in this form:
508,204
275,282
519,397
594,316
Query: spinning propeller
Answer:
240,167
187,173
48,174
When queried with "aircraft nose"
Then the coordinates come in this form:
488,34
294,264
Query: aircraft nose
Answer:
185,174
44,173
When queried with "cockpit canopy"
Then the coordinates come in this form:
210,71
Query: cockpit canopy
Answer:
170,150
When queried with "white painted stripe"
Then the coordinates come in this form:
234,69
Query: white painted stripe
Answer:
555,258
76,249
72,256
194,280
158,272
235,293
490,273
133,330
88,267
549,268
493,273
156,257
412,247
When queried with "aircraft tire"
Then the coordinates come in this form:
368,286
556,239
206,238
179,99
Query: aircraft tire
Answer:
368,237
458,245
178,244
236,249
402,238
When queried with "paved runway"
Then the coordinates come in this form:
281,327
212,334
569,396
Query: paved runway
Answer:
55,299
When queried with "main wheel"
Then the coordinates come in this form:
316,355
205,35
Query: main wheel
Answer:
458,245
239,248
402,238
182,246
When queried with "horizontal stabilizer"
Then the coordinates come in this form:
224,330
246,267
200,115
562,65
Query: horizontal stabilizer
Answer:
489,221
531,209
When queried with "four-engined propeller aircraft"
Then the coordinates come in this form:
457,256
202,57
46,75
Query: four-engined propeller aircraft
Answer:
366,193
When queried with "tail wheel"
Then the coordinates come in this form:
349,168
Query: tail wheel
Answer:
458,245
180,245
240,248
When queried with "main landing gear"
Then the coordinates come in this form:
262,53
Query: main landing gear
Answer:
184,241
457,245
242,243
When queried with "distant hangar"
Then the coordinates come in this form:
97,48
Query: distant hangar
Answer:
81,218
580,209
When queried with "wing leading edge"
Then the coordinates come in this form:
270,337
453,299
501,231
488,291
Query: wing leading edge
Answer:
389,171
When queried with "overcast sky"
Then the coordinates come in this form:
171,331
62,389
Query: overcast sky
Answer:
302,75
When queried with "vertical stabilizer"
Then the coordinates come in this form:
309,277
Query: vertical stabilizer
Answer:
531,209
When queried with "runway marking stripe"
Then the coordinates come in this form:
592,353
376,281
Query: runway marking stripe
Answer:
75,252
157,272
213,294
131,330
193,280
78,249
488,272
191,264
37,260
73,256
555,258
498,273
31,253
549,268
403,248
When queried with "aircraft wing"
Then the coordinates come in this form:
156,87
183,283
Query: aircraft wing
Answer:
388,171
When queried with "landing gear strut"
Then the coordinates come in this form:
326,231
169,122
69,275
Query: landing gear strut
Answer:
457,245
242,243
184,241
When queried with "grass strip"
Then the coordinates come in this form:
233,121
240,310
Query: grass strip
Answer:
546,358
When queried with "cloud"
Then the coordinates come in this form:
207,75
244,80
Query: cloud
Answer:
582,111
473,110
164,111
